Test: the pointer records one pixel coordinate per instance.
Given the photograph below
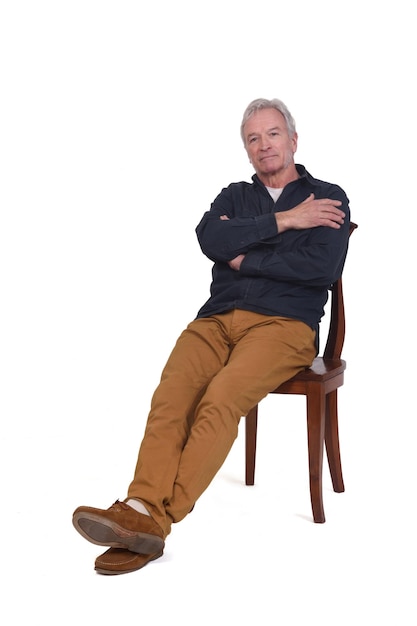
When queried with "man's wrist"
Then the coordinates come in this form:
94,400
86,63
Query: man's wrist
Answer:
283,222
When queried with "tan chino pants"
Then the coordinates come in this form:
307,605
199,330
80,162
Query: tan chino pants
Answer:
219,369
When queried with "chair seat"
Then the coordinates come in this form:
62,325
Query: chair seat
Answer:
321,370
328,373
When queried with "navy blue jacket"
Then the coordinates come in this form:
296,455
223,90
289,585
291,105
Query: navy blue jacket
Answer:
286,274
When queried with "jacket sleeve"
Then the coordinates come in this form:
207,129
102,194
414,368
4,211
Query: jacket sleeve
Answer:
223,240
317,261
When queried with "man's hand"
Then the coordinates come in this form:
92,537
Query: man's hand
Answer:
237,261
311,213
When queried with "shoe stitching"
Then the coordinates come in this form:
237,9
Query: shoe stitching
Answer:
125,561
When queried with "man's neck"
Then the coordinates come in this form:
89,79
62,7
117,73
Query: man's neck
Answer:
278,180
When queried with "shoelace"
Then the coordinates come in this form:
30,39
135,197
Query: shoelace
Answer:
120,504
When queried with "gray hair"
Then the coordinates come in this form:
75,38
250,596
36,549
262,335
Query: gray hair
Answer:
263,103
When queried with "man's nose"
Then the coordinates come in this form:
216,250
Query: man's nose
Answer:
265,143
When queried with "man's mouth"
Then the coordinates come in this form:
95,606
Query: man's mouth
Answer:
269,156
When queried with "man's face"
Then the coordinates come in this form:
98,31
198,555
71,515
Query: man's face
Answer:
268,144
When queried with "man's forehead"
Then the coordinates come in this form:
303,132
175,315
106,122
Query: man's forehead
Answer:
264,119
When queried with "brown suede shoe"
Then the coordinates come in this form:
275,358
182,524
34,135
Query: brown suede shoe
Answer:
120,526
119,561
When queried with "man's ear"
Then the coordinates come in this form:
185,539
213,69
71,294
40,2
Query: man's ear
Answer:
294,141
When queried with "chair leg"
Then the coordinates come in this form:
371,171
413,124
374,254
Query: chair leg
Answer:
316,410
332,442
251,424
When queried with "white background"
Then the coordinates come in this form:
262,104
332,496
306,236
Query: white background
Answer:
119,125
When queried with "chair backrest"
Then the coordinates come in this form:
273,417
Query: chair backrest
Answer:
336,334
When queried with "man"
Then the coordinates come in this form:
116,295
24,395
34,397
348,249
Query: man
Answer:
277,245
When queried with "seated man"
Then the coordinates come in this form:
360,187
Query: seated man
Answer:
277,245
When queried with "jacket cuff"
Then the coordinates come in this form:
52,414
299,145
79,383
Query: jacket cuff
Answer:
267,226
251,264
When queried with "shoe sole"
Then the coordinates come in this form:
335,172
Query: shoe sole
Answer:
106,533
108,572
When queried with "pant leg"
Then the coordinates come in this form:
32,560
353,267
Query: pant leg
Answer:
266,352
199,354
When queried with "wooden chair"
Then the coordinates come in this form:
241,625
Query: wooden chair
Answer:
319,384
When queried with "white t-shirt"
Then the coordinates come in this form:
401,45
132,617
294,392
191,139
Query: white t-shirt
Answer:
275,193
